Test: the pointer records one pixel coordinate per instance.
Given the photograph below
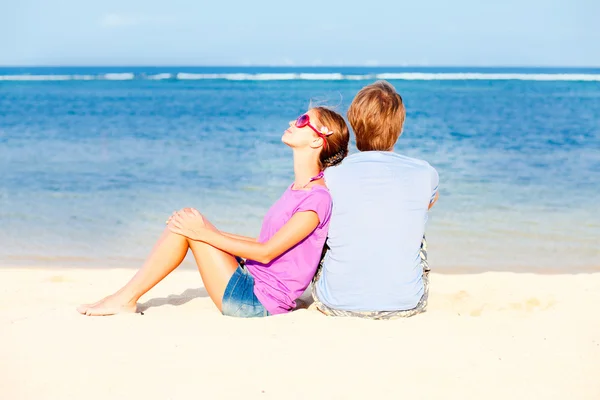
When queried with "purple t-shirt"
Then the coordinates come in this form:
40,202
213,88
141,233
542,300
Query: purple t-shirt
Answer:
279,283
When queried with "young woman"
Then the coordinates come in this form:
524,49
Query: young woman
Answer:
280,263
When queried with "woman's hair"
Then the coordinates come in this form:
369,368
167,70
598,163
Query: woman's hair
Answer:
337,143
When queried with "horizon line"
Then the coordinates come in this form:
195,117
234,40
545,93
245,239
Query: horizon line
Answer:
291,66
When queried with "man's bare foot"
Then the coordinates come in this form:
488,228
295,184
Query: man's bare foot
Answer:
110,305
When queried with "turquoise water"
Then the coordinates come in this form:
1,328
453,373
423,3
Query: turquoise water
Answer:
92,160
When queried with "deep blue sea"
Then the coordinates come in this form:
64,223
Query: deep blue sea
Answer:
93,160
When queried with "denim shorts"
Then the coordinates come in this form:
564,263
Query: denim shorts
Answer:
239,299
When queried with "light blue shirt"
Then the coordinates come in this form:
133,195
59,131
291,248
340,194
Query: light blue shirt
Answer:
380,204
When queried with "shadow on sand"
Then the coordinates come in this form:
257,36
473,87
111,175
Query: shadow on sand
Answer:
174,299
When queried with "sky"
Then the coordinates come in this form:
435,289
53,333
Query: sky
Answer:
301,33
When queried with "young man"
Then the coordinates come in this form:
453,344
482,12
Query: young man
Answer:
376,265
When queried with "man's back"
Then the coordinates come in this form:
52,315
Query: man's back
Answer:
380,203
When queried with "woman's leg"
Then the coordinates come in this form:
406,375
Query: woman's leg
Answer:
216,268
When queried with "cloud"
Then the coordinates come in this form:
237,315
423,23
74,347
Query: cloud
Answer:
114,20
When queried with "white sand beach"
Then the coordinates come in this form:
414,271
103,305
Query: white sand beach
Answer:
495,335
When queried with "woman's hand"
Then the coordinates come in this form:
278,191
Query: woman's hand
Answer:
188,210
187,222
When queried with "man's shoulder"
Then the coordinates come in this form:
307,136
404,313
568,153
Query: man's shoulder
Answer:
410,161
385,159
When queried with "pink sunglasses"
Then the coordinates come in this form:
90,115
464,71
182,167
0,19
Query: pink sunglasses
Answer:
304,120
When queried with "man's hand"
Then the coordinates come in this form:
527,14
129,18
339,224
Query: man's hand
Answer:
437,196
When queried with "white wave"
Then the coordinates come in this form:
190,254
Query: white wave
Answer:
413,76
261,77
186,76
410,76
119,77
83,77
358,77
238,77
35,77
160,77
418,76
321,77
46,77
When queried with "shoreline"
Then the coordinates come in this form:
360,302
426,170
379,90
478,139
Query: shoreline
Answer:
45,263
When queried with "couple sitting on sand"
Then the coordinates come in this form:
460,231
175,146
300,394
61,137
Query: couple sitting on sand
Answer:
368,213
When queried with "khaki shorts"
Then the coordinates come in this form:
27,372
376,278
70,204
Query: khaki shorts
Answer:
419,308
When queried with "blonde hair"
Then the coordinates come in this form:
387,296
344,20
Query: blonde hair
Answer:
377,116
336,148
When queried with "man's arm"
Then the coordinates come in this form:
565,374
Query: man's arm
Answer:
435,189
437,196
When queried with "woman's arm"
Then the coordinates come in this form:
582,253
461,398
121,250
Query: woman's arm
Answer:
301,225
239,237
193,211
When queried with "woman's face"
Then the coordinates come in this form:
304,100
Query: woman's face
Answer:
303,137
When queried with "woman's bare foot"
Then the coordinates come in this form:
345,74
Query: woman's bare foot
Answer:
111,305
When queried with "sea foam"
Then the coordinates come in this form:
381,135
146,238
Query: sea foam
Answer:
407,76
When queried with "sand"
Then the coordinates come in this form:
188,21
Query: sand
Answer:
495,335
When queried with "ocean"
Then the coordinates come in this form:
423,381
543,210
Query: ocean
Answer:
93,160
